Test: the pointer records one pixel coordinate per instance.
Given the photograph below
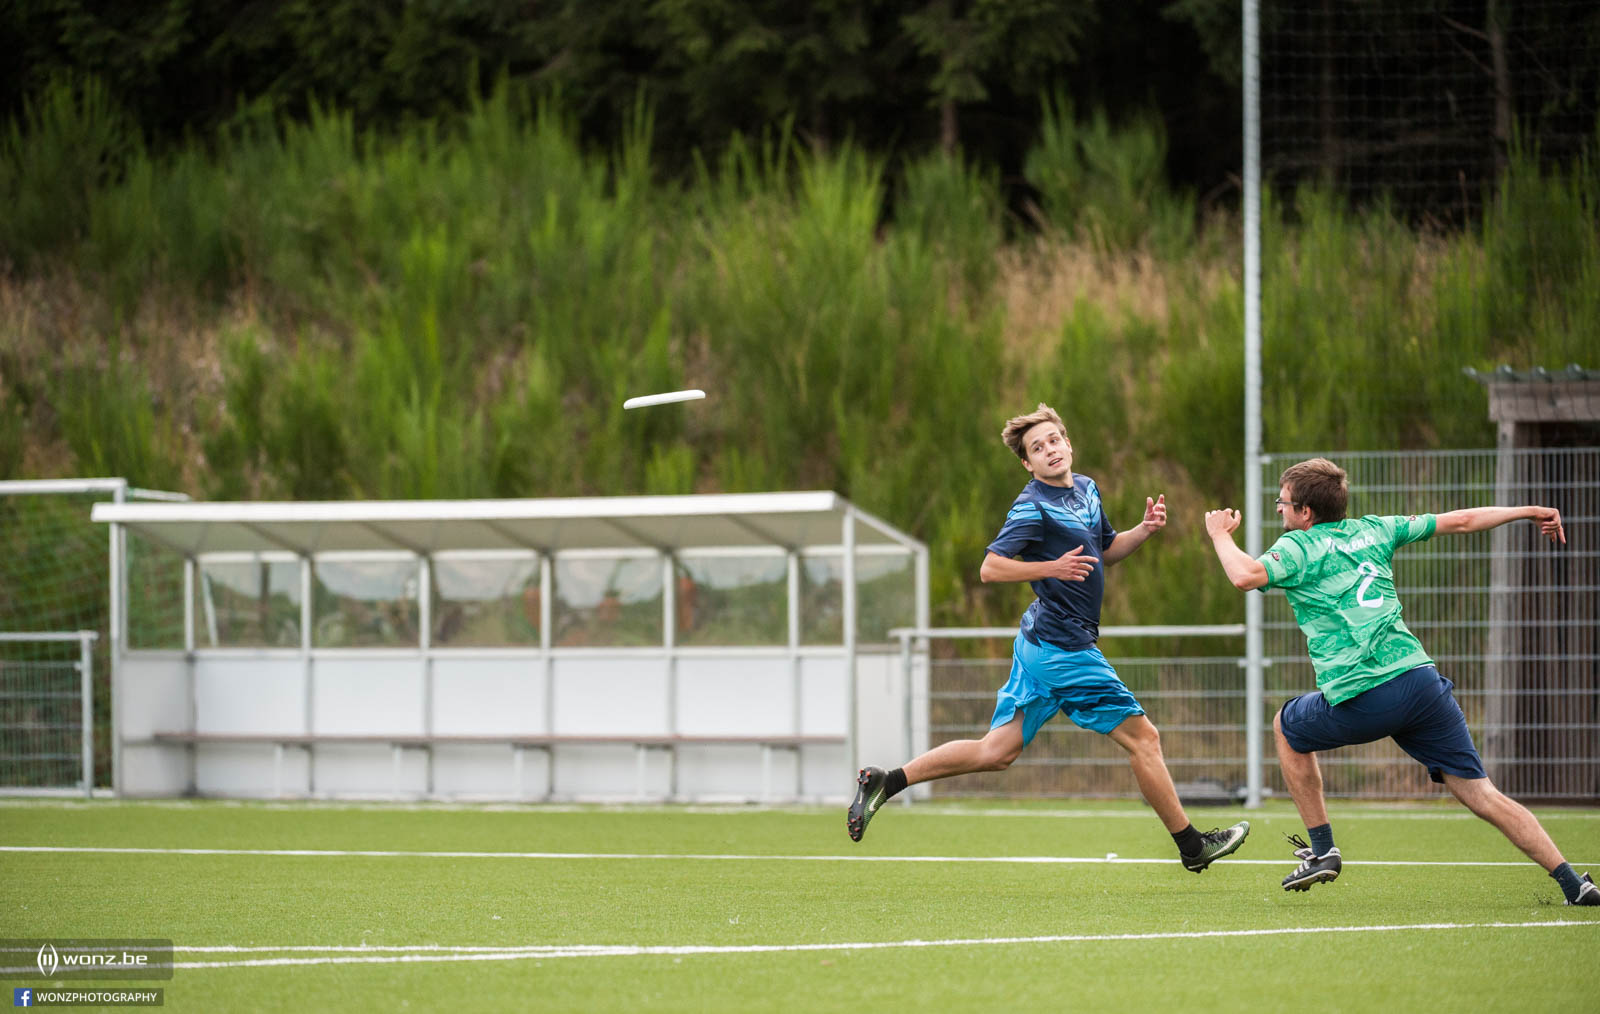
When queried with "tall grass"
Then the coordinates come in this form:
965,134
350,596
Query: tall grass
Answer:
58,160
1106,186
306,310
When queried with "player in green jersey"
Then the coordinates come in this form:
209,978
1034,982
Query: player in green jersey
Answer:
1374,680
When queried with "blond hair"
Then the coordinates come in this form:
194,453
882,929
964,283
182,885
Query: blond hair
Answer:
1017,426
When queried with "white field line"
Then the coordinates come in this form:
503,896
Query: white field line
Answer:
1364,811
435,953
708,857
1336,813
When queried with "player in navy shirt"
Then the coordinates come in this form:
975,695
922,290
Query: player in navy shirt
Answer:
1057,538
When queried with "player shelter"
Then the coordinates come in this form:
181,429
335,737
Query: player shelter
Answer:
703,647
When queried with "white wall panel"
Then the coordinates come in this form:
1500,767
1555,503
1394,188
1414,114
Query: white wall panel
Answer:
488,696
249,770
154,771
824,689
369,771
732,696
601,696
152,695
610,773
478,772
379,695
249,695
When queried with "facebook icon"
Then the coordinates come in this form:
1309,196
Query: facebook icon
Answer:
21,997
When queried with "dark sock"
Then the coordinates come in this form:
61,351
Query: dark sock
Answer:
895,783
1321,839
1568,878
1188,840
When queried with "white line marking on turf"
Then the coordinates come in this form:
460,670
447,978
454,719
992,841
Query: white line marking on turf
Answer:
436,953
712,857
926,809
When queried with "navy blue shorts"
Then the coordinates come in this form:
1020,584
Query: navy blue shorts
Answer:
1415,709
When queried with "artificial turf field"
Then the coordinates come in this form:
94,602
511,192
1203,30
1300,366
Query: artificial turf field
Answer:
943,907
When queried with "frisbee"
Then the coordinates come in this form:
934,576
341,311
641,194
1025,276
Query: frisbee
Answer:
667,398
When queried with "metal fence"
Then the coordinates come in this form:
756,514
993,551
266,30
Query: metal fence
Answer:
1197,701
1512,621
46,712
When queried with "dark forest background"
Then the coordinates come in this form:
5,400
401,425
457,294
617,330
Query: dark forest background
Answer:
1350,85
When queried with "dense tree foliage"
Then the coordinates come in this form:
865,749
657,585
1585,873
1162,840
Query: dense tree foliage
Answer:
897,77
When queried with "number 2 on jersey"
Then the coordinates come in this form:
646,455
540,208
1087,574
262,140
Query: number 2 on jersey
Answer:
1372,574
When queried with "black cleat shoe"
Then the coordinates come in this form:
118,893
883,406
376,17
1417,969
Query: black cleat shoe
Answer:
1315,869
870,795
1214,844
1588,894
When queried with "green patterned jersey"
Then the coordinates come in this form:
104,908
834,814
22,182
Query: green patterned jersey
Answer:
1338,581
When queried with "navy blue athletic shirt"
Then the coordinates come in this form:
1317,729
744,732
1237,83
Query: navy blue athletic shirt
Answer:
1045,522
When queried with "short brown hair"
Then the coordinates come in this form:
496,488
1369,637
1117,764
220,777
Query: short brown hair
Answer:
1019,425
1320,485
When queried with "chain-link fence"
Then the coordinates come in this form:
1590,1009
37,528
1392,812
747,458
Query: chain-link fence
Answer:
55,577
46,717
1508,617
1196,701
1513,621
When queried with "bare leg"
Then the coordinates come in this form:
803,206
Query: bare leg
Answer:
1143,743
1512,818
1303,777
994,752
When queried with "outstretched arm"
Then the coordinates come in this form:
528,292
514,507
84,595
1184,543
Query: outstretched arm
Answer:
1481,519
1246,572
1155,519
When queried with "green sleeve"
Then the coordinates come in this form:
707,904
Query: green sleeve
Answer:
1409,528
1285,562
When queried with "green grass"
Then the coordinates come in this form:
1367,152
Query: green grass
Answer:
673,894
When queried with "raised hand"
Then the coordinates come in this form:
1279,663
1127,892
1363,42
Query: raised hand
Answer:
1155,513
1221,522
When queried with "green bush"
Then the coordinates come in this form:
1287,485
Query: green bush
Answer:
311,311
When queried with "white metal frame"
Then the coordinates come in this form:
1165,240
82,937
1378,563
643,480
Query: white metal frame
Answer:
117,616
267,524
85,640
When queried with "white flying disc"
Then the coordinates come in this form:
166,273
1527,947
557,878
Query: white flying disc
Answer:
667,398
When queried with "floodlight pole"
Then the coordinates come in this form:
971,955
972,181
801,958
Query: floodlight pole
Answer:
1252,393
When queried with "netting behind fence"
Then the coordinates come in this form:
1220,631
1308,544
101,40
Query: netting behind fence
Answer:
1512,621
54,576
1421,103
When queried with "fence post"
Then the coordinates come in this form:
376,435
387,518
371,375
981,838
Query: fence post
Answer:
86,671
905,674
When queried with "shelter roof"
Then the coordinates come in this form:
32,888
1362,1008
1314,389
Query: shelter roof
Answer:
791,520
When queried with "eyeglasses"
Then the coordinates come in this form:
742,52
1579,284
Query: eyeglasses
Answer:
1286,503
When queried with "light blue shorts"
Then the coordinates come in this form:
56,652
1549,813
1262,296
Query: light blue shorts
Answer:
1080,684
